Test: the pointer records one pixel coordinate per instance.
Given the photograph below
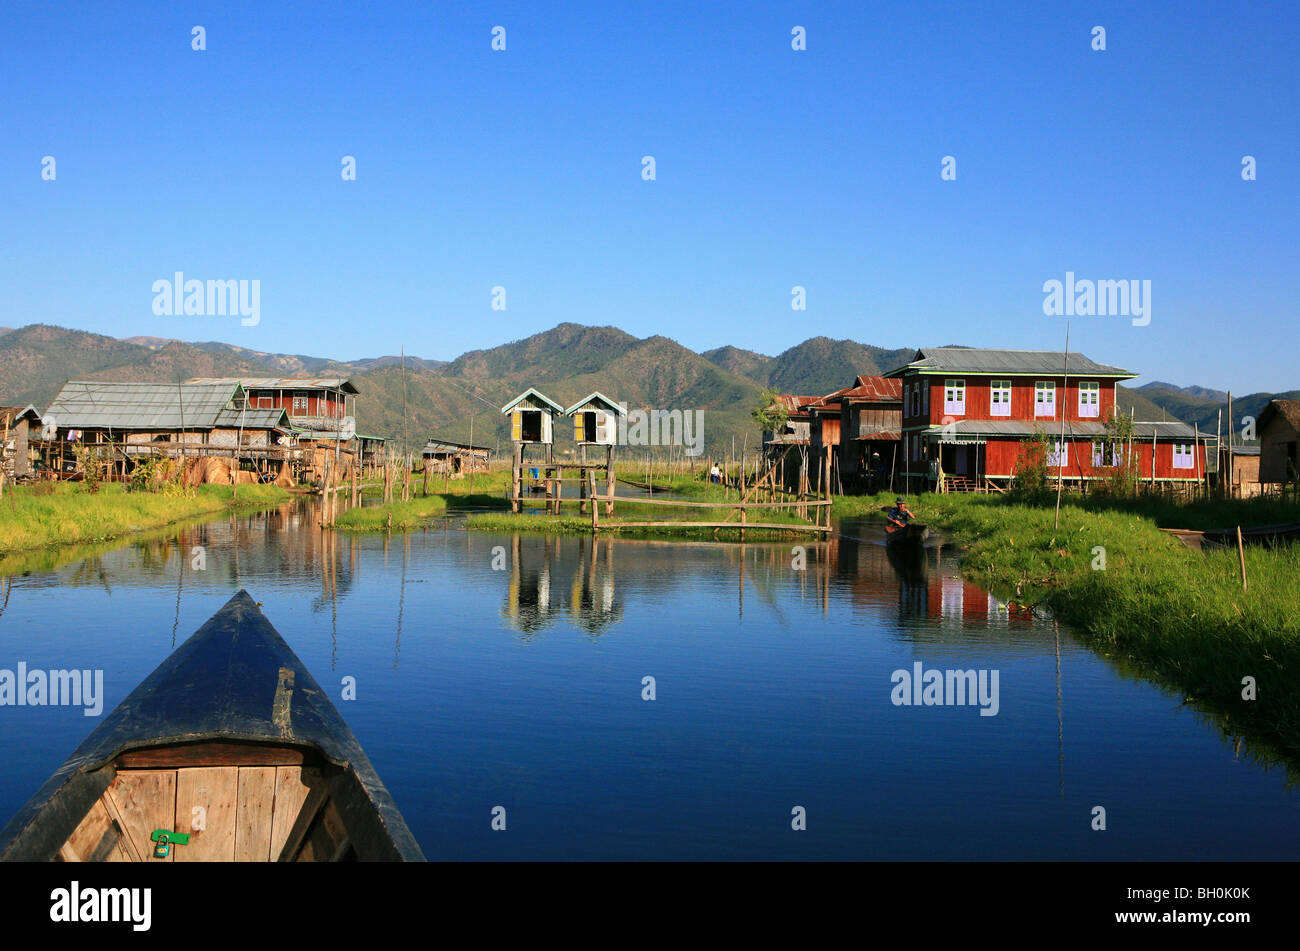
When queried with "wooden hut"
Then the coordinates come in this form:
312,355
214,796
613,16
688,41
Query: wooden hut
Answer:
17,424
532,422
1238,471
596,419
532,417
1279,442
862,424
129,422
454,458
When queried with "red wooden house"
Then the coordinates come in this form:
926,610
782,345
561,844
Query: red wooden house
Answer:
972,411
312,403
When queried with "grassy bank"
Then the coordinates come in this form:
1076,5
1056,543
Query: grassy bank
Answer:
1141,597
64,513
395,517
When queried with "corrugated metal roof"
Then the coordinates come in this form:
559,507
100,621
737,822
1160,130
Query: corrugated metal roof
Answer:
794,405
20,412
442,445
254,419
99,404
283,382
1073,428
880,388
868,389
533,392
618,407
970,360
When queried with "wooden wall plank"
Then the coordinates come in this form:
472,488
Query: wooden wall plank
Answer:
146,800
97,838
211,753
215,791
253,813
290,794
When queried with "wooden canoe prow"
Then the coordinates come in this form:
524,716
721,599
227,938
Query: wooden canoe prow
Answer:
234,710
914,533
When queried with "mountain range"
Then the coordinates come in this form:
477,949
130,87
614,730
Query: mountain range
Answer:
447,398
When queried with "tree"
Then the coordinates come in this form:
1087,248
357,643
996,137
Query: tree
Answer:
1031,467
1122,480
770,415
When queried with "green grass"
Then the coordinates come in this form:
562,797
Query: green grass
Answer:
1157,607
446,496
395,517
33,518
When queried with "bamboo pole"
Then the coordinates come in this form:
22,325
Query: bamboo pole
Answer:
1231,467
1218,448
1064,404
1241,553
4,441
609,479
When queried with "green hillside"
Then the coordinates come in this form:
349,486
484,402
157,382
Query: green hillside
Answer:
566,362
39,359
1203,407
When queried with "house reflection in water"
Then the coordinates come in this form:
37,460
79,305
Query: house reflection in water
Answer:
538,565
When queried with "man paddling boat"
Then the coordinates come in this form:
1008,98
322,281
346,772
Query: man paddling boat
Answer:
898,516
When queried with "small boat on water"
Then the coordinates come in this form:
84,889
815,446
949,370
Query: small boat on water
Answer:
228,751
913,533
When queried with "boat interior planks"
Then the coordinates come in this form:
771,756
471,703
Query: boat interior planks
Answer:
229,751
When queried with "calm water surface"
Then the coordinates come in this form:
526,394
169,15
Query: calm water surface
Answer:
522,687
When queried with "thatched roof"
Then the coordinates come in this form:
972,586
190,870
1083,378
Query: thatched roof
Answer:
1289,410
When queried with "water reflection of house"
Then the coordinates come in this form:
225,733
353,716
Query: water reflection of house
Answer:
528,606
283,543
592,604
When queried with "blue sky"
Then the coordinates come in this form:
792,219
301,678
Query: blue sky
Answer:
775,168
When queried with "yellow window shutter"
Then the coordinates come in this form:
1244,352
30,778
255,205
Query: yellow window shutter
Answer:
578,427
516,425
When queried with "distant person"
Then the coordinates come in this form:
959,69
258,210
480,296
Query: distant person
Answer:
715,474
935,485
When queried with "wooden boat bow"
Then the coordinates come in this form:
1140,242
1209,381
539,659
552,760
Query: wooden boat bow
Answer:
232,697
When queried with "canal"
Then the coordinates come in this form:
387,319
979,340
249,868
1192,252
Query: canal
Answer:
514,671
